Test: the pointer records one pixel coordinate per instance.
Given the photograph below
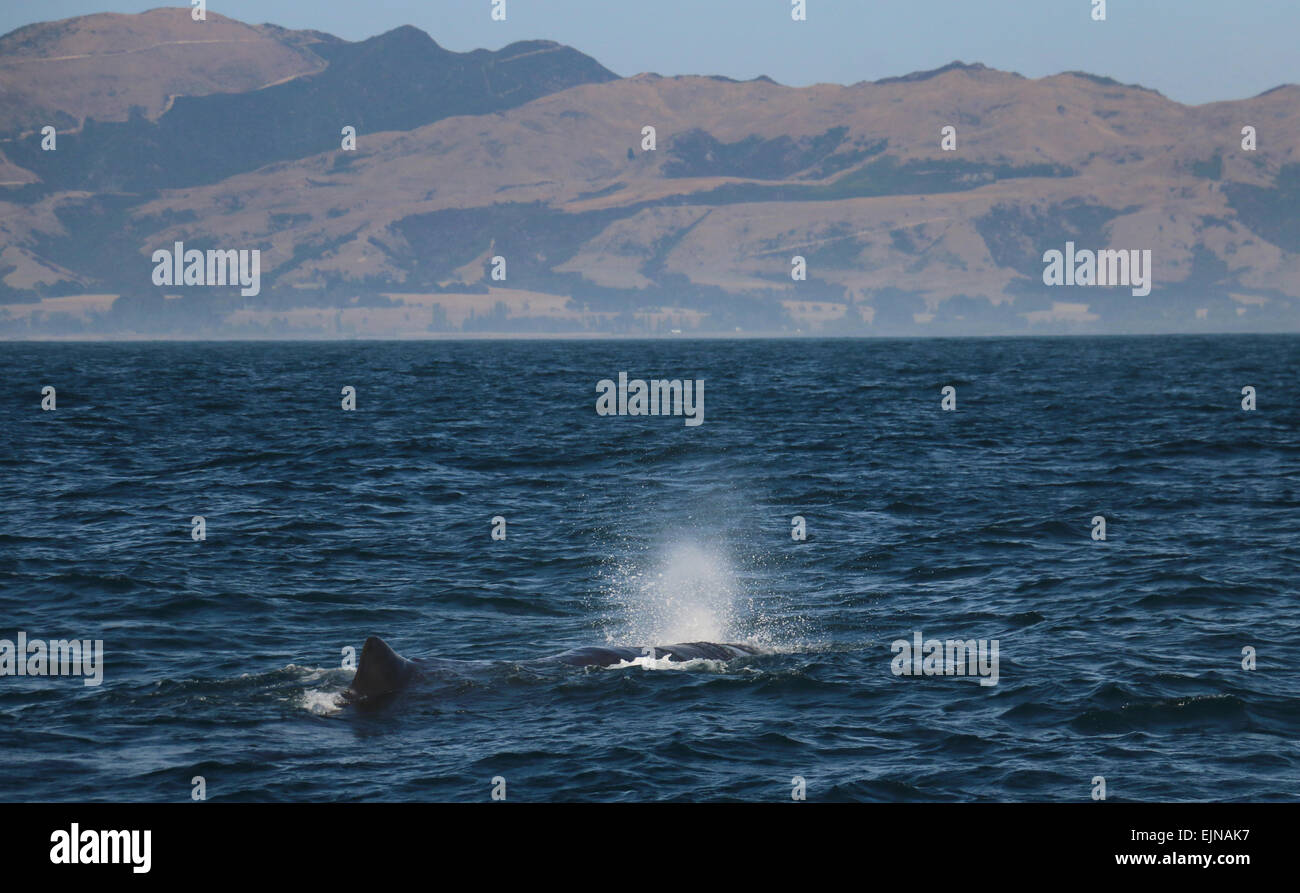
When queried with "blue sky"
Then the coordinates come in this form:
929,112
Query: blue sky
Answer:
1193,51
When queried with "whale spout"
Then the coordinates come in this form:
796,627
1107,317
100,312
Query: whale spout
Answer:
380,671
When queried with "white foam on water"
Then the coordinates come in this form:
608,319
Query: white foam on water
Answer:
663,663
306,674
322,703
313,674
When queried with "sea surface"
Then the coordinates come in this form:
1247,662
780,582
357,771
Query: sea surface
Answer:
223,658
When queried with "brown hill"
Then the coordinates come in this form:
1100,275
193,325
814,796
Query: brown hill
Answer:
104,65
1038,162
899,235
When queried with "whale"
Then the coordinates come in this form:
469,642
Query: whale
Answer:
382,672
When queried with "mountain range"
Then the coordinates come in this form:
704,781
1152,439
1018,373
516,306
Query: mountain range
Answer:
532,162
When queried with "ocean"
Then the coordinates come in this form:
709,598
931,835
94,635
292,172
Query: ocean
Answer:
1162,659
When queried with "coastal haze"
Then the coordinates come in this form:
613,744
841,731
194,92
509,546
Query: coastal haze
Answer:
510,192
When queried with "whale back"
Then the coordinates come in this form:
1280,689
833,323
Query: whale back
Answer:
380,671
607,656
707,651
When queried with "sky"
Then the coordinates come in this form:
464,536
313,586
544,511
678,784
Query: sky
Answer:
1193,51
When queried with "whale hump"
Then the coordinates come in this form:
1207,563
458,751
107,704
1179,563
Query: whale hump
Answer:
380,671
608,656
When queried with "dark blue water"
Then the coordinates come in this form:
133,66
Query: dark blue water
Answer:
1120,658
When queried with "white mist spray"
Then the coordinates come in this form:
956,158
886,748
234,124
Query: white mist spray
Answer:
688,593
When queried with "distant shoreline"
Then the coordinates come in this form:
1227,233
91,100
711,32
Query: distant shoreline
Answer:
578,336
